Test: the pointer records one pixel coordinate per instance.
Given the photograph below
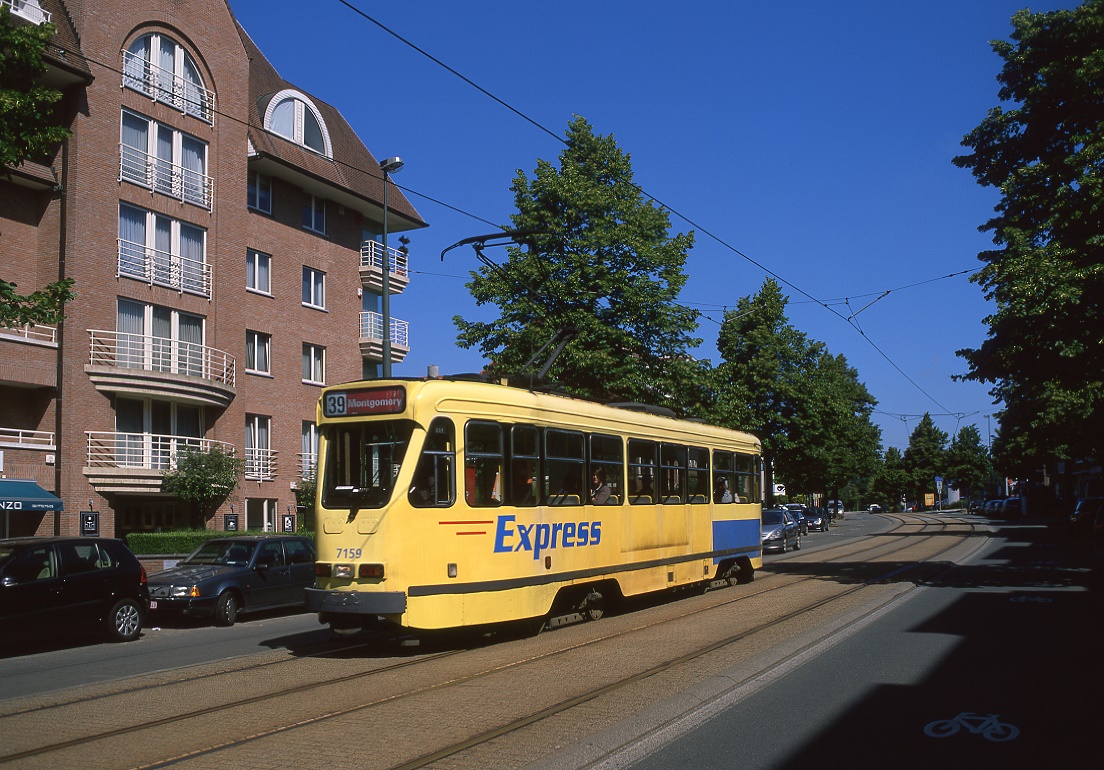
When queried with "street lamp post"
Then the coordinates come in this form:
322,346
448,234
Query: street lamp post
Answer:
388,166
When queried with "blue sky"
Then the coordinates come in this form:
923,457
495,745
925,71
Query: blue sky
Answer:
815,138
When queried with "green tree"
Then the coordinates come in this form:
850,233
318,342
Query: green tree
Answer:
967,462
890,481
204,480
45,306
1044,152
757,382
599,262
29,128
924,459
807,406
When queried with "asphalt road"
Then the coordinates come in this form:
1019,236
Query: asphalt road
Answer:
994,664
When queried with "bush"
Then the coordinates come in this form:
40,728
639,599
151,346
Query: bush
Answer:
185,541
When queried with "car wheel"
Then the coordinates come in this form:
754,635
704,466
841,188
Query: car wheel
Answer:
124,621
226,611
797,545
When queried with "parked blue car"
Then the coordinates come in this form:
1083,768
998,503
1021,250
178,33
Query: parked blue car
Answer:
227,576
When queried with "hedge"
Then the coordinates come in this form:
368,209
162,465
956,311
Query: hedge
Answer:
185,541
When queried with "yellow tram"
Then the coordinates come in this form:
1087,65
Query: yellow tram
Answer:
447,503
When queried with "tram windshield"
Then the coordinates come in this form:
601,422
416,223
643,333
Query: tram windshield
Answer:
362,461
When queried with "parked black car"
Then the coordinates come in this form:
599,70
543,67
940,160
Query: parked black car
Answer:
797,513
55,585
226,576
1084,515
817,518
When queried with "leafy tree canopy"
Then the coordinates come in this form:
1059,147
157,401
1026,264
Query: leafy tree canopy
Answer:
807,406
204,479
1044,151
599,261
28,128
925,457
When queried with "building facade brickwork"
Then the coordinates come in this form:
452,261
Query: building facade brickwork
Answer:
219,225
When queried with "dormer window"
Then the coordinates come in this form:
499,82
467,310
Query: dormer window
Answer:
292,115
159,67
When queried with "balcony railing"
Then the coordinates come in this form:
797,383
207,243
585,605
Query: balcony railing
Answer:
371,267
163,85
27,439
154,266
371,328
164,176
260,464
44,335
147,451
29,9
308,464
158,354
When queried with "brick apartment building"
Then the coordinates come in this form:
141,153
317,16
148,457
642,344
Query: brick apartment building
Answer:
223,231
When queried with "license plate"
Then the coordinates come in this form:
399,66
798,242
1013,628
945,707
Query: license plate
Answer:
153,605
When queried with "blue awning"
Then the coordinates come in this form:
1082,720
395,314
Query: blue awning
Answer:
21,495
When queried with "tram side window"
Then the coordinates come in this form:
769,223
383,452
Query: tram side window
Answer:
642,472
434,484
697,475
672,473
524,465
564,467
747,479
724,478
483,464
607,462
362,460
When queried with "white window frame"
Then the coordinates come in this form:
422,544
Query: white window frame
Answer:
314,213
143,73
165,268
258,345
302,105
313,288
314,364
169,176
256,182
253,258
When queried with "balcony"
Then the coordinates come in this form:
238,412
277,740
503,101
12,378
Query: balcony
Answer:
165,177
29,10
371,268
163,85
136,462
163,268
156,367
16,438
260,464
29,355
371,337
308,465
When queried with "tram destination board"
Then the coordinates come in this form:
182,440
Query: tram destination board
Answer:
364,402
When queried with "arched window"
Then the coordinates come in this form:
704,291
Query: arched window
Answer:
159,67
292,115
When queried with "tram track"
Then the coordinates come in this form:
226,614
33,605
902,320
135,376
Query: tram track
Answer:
319,687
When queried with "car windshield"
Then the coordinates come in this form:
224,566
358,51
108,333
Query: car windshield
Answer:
772,517
233,553
5,553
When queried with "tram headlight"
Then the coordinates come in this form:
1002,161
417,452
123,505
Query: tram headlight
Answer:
343,570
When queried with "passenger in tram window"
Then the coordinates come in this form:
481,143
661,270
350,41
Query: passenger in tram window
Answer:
522,491
720,491
423,492
599,489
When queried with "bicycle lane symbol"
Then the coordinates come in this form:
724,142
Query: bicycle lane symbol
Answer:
987,725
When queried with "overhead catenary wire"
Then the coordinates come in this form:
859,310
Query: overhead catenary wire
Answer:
826,304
